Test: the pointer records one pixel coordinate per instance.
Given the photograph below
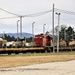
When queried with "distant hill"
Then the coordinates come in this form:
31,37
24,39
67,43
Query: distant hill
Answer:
27,35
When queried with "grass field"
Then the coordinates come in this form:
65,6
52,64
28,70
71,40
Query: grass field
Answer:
34,58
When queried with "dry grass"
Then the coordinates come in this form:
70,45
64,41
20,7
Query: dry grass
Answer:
13,61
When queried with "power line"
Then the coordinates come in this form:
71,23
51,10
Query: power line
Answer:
37,14
8,17
64,11
9,12
29,15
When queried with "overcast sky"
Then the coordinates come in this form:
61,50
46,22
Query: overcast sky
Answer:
25,7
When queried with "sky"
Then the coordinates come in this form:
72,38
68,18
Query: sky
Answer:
26,7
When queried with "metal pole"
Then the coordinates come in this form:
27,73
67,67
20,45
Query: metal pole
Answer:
44,28
58,32
33,32
20,27
4,35
53,27
17,29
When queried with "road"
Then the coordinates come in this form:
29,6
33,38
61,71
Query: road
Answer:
53,68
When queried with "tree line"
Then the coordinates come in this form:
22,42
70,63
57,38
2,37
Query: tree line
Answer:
65,33
12,38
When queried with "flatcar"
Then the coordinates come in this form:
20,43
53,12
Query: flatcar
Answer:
42,43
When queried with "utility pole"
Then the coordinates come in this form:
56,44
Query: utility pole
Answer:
53,27
33,32
17,29
20,27
4,35
44,28
58,31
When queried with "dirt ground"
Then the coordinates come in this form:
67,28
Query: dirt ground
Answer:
14,61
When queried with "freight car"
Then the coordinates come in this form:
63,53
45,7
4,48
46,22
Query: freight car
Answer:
42,43
67,44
